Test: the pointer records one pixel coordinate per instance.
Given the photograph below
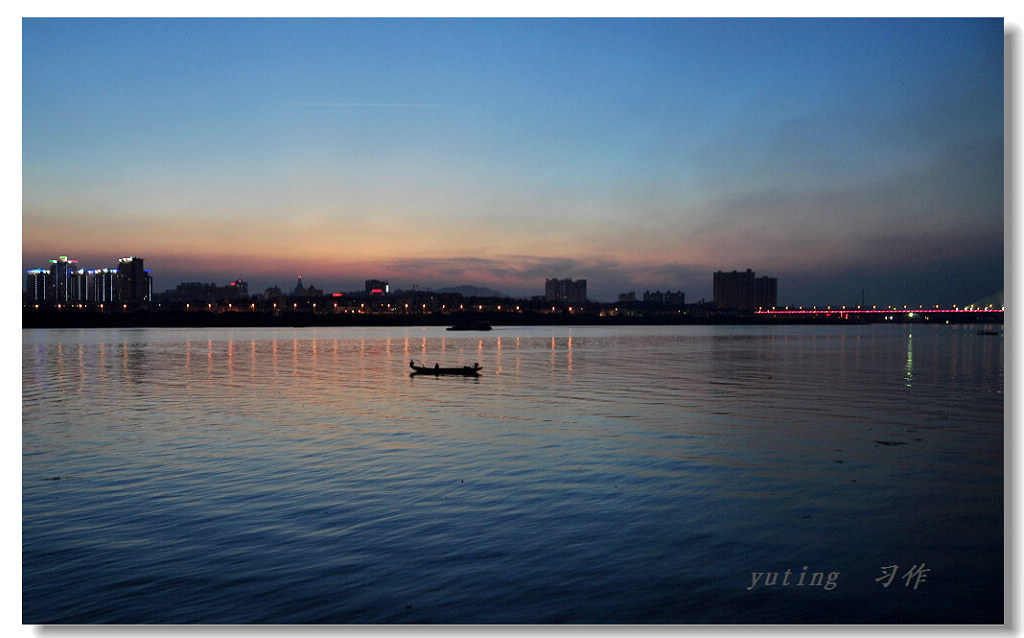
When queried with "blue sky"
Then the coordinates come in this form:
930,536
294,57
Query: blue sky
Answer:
836,155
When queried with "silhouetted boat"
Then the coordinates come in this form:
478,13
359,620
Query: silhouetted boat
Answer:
437,370
988,333
471,325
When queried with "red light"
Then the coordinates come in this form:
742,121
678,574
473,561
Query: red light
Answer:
853,312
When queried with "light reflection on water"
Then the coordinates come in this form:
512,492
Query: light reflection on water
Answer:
589,475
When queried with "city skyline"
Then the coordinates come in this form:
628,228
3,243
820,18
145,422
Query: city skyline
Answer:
845,157
760,301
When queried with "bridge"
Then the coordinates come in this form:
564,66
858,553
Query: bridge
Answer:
889,312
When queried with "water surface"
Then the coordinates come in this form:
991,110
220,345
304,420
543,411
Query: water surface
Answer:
590,475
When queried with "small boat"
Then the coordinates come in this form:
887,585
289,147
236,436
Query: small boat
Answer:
437,370
988,333
471,325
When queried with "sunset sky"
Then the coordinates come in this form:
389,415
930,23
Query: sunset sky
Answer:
836,155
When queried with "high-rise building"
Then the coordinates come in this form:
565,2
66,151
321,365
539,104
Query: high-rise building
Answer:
237,289
744,291
677,298
102,285
39,285
551,289
65,283
566,291
734,290
135,281
377,287
766,291
79,286
64,272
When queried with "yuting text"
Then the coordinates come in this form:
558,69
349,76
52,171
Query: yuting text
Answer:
801,579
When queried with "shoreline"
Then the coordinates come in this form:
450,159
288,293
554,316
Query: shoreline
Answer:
77,319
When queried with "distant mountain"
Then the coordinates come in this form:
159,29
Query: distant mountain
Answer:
471,291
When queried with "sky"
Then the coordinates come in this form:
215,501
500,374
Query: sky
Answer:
849,158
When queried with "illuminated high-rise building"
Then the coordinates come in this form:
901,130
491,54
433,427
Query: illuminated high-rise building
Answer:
65,283
103,286
39,285
62,283
79,289
64,272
